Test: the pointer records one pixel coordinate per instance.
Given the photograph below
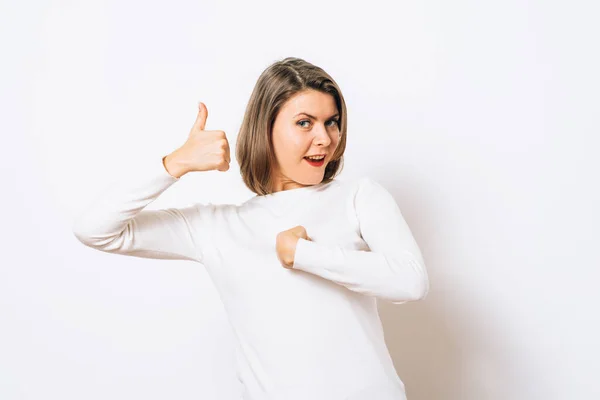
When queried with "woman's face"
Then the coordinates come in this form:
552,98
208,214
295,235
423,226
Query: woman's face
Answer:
306,125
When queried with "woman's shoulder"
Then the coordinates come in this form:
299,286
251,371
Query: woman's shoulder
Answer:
360,183
215,210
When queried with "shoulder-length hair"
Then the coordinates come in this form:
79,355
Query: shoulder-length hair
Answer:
278,82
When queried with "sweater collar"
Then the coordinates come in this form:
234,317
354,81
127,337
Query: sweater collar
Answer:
285,200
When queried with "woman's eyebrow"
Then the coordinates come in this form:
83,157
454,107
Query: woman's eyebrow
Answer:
308,115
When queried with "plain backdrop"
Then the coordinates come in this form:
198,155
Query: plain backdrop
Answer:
480,117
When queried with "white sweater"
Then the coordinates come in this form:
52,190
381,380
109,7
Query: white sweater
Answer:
310,332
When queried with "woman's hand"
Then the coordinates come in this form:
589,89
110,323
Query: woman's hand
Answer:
286,242
204,150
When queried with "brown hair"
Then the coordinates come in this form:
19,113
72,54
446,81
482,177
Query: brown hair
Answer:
278,82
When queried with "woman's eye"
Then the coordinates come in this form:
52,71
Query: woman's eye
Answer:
332,122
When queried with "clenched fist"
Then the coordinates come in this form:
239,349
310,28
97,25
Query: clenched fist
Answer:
286,242
203,151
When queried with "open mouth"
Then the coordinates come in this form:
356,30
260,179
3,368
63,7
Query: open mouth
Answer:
315,163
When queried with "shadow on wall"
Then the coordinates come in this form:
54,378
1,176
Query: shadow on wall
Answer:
438,362
426,354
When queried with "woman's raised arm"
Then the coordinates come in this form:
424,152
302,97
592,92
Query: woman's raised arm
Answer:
116,221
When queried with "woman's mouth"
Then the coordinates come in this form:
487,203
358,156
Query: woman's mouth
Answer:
315,163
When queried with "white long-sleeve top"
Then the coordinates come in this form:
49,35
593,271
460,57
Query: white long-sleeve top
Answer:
310,332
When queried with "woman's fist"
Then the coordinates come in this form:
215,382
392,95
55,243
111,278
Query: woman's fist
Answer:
204,150
285,244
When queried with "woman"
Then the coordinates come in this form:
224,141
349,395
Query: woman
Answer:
300,265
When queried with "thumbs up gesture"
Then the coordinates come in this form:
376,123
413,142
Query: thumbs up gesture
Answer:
203,151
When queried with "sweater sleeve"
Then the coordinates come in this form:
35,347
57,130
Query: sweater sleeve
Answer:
394,269
115,222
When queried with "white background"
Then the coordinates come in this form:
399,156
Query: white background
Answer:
480,117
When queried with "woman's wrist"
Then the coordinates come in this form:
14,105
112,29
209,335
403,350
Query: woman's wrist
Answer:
174,166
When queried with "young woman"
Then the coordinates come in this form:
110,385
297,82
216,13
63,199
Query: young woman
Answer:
299,267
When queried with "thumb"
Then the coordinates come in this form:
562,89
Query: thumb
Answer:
300,231
201,118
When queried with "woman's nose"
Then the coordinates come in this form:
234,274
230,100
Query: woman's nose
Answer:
321,135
